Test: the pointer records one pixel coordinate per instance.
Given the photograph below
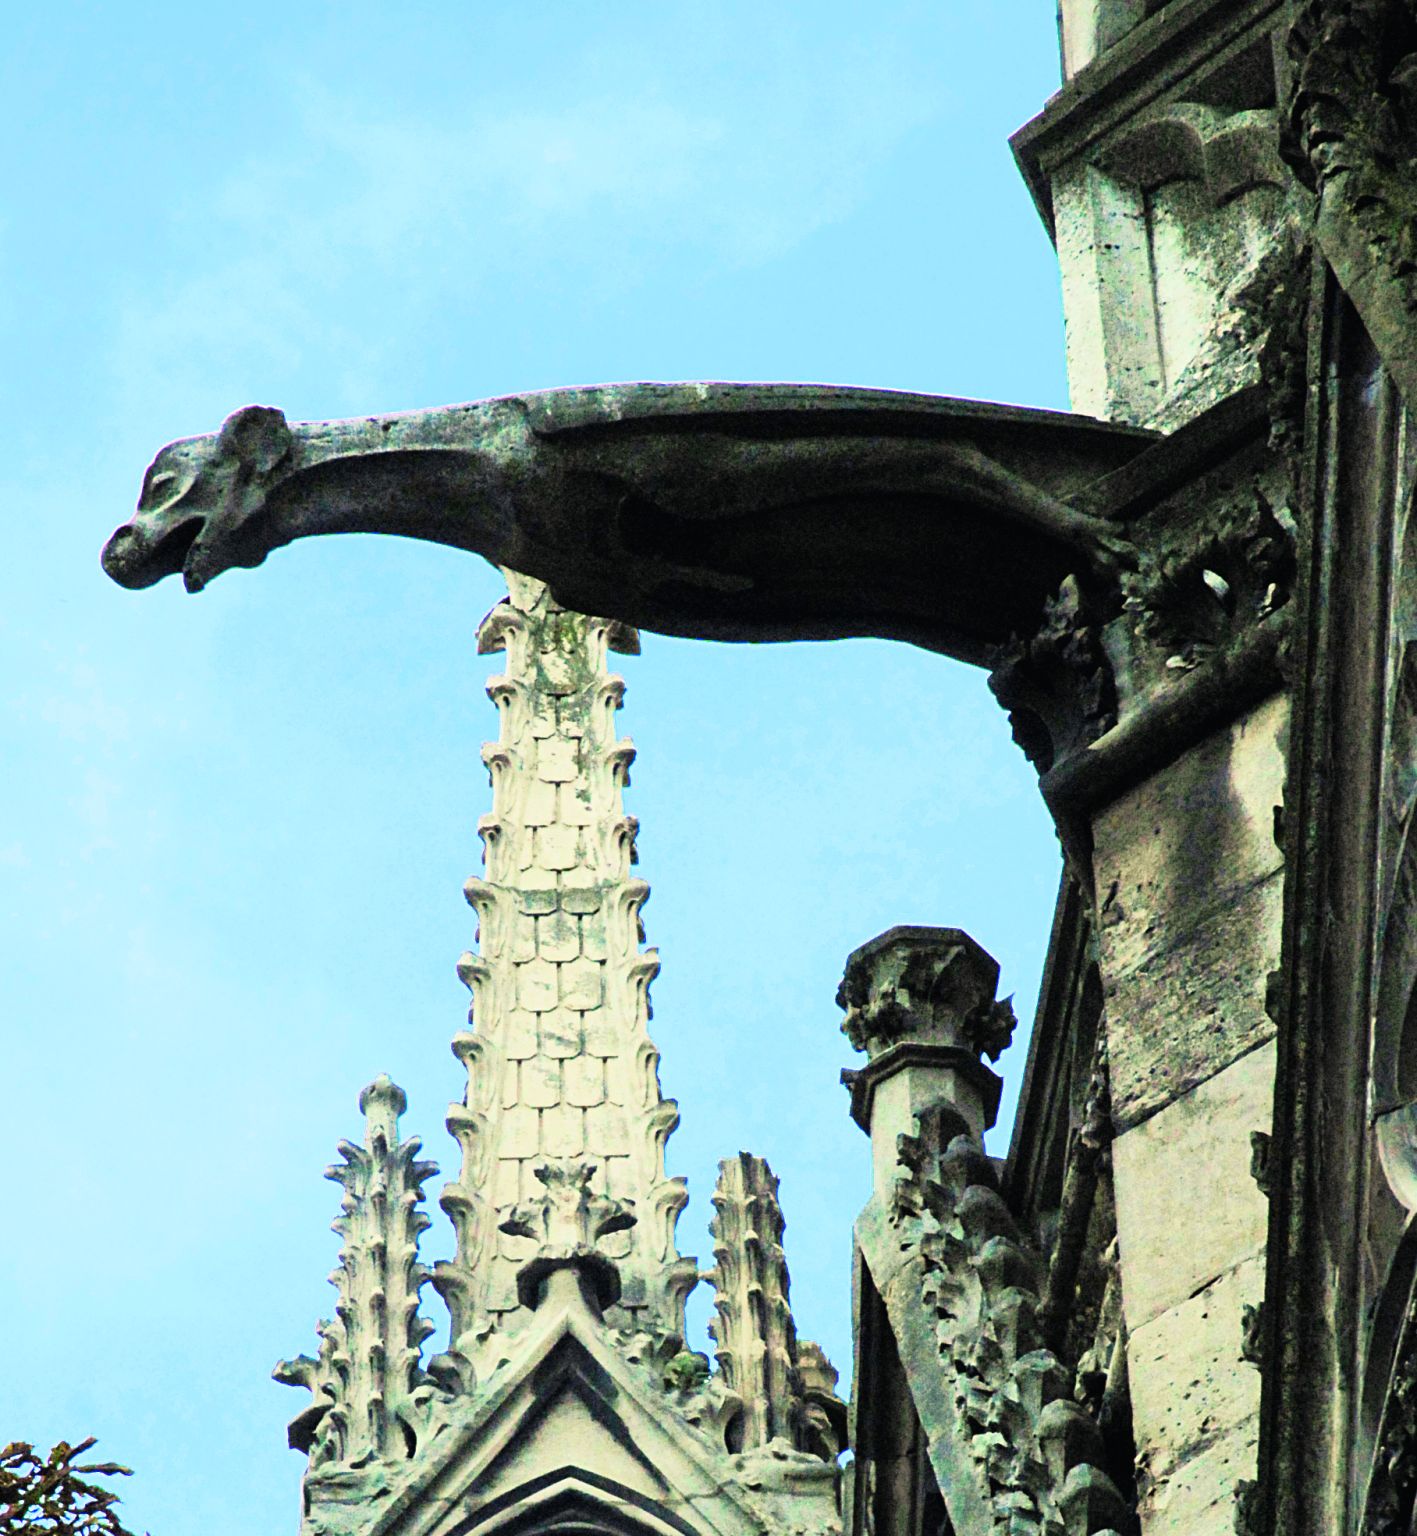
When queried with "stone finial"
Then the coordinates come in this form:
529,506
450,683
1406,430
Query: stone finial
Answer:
367,1381
920,1002
560,1066
753,1327
785,1387
823,1429
565,1224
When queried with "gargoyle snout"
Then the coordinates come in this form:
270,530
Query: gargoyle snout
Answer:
134,558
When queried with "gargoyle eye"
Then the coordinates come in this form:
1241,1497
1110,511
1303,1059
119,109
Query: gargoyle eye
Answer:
157,487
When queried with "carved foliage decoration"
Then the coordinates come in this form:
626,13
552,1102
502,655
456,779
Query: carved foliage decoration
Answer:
1037,1453
933,985
1057,683
370,1393
753,1327
1197,593
1350,133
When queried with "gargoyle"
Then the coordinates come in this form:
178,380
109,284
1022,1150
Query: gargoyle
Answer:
726,511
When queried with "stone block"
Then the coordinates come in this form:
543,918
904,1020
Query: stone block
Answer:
1189,1385
584,1081
541,1082
1198,1497
602,1038
573,806
561,1033
555,760
536,986
519,1035
558,937
556,847
1184,844
1187,1208
506,1182
593,944
1187,1012
521,941
563,1131
606,1130
538,807
519,1134
582,982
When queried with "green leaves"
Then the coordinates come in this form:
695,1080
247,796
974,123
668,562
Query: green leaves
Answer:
43,1495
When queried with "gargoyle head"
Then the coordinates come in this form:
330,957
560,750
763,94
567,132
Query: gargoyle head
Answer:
200,511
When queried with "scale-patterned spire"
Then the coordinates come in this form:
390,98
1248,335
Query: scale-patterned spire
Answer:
561,1069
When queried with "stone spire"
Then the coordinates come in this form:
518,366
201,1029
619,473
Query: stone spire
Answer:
783,1384
369,1389
753,1328
563,1084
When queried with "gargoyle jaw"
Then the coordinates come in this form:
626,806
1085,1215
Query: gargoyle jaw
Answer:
135,560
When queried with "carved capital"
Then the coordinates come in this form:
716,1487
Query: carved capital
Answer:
928,986
920,1002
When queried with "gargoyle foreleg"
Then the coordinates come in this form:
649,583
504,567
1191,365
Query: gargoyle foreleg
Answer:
1105,549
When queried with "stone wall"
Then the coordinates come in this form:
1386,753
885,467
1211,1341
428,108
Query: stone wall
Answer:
1189,882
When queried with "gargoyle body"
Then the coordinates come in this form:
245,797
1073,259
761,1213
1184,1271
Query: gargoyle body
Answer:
735,512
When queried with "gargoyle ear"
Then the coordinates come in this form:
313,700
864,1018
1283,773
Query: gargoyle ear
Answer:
256,436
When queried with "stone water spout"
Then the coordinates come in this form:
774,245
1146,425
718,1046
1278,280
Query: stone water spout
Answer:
727,511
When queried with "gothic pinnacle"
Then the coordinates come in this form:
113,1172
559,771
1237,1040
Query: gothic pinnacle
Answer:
561,1069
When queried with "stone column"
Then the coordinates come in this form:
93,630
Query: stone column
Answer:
920,1002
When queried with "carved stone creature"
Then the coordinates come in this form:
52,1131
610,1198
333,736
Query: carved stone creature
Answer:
1352,125
1056,682
742,512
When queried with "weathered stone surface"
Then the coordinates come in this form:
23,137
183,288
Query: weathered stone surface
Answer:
1199,1498
1187,841
1170,211
1185,1013
1189,1385
1187,1208
1190,892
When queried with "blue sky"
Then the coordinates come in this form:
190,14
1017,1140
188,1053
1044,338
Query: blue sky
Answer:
237,824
